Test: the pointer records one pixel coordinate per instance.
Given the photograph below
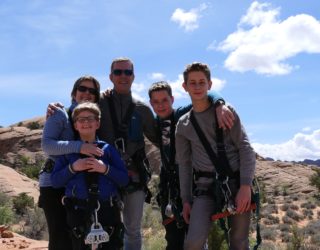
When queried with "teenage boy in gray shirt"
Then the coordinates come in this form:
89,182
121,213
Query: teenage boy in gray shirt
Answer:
198,205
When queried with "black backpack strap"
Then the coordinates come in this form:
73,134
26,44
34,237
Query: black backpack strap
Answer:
171,161
221,164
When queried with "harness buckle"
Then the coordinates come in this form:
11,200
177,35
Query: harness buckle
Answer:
119,144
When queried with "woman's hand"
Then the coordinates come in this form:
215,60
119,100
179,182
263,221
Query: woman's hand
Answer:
91,150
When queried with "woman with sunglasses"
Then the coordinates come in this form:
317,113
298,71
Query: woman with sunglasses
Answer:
58,138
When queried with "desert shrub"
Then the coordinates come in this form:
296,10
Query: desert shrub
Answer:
269,233
315,179
32,171
272,219
297,239
268,246
276,191
33,125
315,239
262,188
36,225
284,228
22,202
285,237
152,225
294,207
287,220
308,205
294,215
312,228
294,197
19,124
216,238
285,189
4,199
6,215
308,213
285,207
30,168
269,209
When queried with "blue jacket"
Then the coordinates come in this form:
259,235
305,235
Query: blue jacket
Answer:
75,183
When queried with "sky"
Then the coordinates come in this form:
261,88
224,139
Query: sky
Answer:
264,57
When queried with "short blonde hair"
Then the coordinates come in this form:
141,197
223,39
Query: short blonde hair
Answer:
86,106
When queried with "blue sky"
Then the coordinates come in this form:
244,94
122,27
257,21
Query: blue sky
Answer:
264,58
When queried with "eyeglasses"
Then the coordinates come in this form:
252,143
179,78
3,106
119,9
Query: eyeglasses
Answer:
118,72
83,89
84,119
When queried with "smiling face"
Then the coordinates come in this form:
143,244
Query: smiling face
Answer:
197,85
86,123
122,76
85,92
161,103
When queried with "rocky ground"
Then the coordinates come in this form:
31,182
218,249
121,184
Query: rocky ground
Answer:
285,186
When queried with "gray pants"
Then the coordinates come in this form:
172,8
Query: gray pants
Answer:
200,224
132,217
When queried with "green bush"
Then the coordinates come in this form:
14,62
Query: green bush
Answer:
4,199
32,171
6,215
22,202
36,225
216,238
297,239
315,179
33,125
294,215
29,168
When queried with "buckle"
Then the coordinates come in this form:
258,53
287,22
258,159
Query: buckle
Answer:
119,144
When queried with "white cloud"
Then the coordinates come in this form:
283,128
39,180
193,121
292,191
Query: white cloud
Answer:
157,76
263,43
188,20
139,91
306,129
217,84
301,146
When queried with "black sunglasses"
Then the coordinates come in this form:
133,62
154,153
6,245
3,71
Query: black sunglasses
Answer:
92,91
118,72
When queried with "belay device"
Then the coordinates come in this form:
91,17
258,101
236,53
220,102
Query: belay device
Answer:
96,235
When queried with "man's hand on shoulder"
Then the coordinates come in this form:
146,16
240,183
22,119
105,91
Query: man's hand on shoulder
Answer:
225,116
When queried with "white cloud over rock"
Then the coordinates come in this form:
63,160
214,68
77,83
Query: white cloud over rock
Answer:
263,43
301,146
188,20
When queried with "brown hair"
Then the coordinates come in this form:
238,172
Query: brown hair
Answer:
86,78
86,106
196,66
157,86
121,59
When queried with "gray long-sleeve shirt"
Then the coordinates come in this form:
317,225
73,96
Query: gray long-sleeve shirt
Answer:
191,154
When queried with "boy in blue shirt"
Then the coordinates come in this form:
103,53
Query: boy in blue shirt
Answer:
92,183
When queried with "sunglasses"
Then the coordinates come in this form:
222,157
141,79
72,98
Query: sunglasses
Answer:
88,119
83,89
118,72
